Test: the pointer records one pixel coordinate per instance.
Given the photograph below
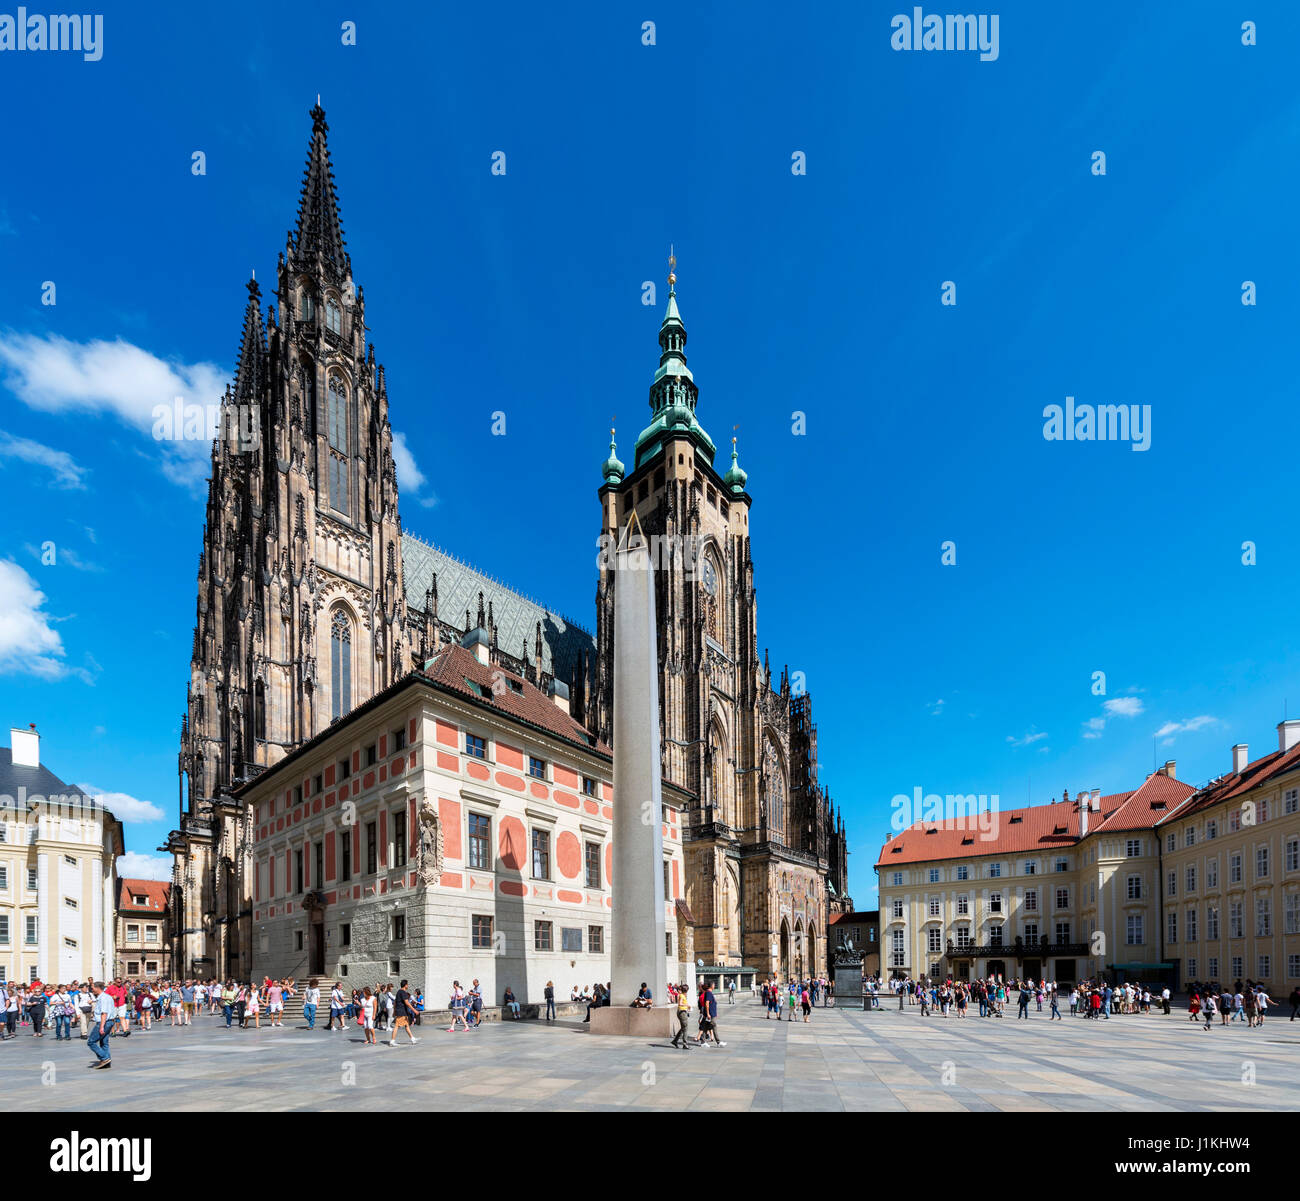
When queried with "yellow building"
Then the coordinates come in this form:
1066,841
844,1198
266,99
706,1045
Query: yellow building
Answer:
1166,883
58,851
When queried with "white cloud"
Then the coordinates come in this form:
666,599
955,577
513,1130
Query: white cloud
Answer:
125,808
29,645
1032,737
1123,706
135,866
56,375
936,709
410,479
67,474
1173,728
1093,727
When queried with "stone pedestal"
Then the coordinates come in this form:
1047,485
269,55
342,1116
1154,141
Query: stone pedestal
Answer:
658,1022
848,979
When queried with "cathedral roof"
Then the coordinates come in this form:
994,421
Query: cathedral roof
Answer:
516,615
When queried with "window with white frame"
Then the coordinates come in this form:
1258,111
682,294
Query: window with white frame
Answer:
1031,934
1173,884
1030,867
963,936
1234,868
1291,913
1063,898
1261,814
1062,865
1293,854
935,904
1263,916
898,879
963,905
1171,920
1133,929
933,940
1191,969
1189,836
1264,966
995,902
1293,967
963,871
995,936
1211,921
1031,899
898,908
1291,800
1191,923
995,870
1261,863
1171,841
1135,888
1212,965
1190,878
1211,829
934,875
1234,820
1133,847
1236,920
897,952
1212,873
1237,967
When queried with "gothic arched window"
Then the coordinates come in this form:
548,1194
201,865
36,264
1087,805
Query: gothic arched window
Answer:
775,789
259,711
340,664
333,316
306,304
339,425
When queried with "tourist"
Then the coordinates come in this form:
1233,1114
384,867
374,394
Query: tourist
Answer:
805,1002
254,1008
549,994
275,1004
228,996
457,1006
1164,999
1211,1007
711,1004
644,998
310,999
683,1019
85,1005
475,1004
1262,1002
1056,1005
366,1017
105,1019
509,1002
402,1015
731,991
791,998
417,1005
1294,1001
338,1008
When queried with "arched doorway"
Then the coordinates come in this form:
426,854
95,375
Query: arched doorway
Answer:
814,967
783,963
800,950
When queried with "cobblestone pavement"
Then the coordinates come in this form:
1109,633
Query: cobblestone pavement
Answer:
842,1059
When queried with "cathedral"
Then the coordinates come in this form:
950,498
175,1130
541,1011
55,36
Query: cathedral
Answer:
312,600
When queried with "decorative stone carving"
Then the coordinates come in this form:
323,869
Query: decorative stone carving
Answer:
429,857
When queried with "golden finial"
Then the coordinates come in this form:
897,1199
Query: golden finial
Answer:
672,266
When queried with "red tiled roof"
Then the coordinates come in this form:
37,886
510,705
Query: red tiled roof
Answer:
455,667
1147,806
1235,783
155,892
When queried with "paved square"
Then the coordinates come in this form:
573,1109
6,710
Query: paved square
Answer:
841,1060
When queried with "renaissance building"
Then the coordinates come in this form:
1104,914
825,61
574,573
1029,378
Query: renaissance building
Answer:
1164,883
312,601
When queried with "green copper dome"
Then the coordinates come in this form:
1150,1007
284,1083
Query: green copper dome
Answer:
736,475
612,469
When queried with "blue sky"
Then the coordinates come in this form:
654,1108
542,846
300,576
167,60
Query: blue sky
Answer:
817,293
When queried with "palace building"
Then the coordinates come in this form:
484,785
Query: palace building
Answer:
313,601
1166,883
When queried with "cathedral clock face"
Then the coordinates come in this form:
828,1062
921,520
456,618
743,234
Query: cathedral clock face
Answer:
710,576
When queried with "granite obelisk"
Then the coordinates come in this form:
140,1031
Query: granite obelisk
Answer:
637,948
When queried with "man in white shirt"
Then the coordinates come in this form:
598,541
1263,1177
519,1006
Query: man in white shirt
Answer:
105,1012
1164,999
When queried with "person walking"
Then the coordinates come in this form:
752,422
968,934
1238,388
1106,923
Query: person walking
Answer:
275,1004
367,1016
253,1008
731,991
1211,1007
683,1019
711,1007
105,1015
338,1008
310,1000
402,1015
805,1002
61,1009
457,1006
36,1011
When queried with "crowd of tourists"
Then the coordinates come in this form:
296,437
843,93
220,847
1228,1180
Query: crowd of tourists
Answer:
795,996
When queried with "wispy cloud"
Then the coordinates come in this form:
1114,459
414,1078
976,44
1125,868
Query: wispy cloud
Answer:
63,556
29,644
936,707
1123,706
114,379
124,807
1029,739
66,472
1093,727
410,479
1171,729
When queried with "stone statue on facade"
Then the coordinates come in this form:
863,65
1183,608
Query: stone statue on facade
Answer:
429,858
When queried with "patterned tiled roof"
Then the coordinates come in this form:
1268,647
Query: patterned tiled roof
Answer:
456,668
155,893
516,615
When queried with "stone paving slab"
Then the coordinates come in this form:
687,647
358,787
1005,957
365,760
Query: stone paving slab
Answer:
842,1060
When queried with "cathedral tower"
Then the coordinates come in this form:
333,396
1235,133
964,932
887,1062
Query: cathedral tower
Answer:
758,856
301,606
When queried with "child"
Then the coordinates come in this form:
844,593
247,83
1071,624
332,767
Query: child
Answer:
367,1016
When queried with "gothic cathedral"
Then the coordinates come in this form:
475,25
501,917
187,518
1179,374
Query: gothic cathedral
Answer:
312,599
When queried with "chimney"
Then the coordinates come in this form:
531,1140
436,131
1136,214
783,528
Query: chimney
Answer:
1170,769
558,691
1240,757
1288,734
1096,800
477,641
1082,802
25,746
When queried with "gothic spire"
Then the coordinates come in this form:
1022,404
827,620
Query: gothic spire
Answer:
252,349
320,229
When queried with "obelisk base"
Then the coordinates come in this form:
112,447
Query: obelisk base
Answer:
659,1022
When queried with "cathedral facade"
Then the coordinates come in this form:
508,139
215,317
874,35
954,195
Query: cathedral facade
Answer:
766,853
311,599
